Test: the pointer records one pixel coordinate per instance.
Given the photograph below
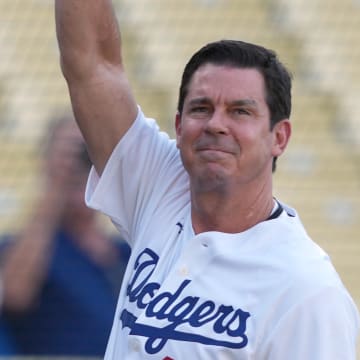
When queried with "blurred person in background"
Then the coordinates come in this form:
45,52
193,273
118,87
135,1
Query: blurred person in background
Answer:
62,272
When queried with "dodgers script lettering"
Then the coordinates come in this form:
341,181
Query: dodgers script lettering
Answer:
177,308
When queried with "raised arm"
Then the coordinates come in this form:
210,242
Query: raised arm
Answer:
91,62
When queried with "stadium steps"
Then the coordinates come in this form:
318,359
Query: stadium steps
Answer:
18,181
166,46
154,99
330,31
29,67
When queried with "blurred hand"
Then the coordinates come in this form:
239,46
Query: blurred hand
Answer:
64,170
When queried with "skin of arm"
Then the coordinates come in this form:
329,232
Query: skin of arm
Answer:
91,61
26,260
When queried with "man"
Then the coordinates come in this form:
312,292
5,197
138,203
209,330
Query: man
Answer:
219,268
61,272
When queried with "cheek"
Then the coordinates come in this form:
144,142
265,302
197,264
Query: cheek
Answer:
255,142
185,144
246,137
190,130
265,149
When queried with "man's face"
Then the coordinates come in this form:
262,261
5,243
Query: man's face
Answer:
224,132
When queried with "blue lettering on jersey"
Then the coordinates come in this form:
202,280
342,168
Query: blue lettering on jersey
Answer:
177,310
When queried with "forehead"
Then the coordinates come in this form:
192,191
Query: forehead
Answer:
227,82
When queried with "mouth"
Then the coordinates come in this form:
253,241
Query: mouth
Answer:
211,154
214,149
214,145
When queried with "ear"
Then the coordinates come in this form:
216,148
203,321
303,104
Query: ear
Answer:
178,127
281,133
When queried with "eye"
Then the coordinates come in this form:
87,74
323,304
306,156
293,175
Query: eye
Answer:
199,109
241,111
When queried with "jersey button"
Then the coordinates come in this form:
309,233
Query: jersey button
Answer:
135,345
184,271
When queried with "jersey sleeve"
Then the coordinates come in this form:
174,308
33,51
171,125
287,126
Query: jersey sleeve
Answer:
138,175
323,327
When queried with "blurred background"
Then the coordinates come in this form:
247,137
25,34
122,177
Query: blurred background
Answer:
319,40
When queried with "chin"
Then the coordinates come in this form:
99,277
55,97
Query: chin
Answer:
211,181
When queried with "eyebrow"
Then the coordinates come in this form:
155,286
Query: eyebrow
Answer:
201,100
240,102
244,102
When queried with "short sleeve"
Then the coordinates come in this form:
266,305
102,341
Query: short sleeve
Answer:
323,327
140,172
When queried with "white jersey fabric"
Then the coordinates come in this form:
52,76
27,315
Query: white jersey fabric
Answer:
267,293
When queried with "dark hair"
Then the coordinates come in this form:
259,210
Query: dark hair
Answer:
241,54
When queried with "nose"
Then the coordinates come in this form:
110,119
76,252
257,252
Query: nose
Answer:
216,124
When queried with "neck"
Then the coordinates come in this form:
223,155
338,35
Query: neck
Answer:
231,212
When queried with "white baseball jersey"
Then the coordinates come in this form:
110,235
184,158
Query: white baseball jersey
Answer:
267,293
